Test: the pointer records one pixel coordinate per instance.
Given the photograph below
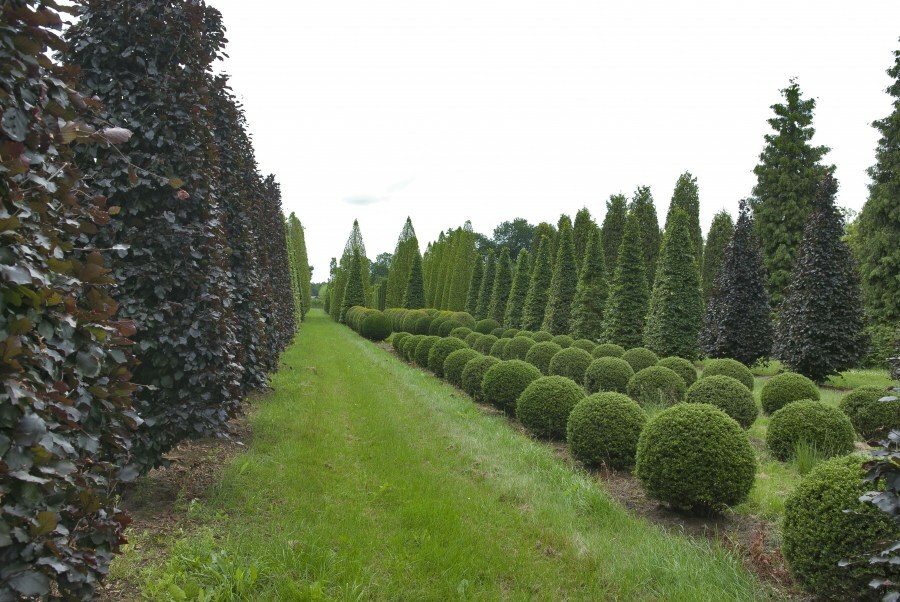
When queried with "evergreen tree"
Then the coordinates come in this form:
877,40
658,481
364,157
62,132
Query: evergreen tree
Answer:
582,228
787,176
463,264
626,307
820,322
297,244
515,306
676,307
539,287
544,229
414,296
354,291
687,196
591,294
564,282
475,286
487,286
612,230
435,262
502,286
442,294
517,235
651,238
720,233
738,322
401,263
345,272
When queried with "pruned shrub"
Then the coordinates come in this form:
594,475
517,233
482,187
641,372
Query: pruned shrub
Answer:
540,355
498,349
410,320
461,332
729,367
486,326
871,418
456,362
397,339
434,329
473,375
694,456
472,338
526,333
563,340
447,327
439,352
465,319
640,358
505,381
375,326
541,336
608,350
408,346
604,429
727,394
517,348
586,344
608,374
682,367
820,426
423,349
785,388
544,406
423,325
571,363
498,332
510,333
656,385
825,524
484,343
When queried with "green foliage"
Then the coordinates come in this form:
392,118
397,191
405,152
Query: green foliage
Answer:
487,286
720,232
485,343
608,350
498,332
608,374
544,406
498,349
472,338
591,294
563,340
640,358
516,235
626,307
539,287
613,230
486,326
354,291
423,325
582,229
502,287
540,355
447,327
676,308
423,350
548,230
344,274
460,274
787,175
473,375
656,385
408,346
687,198
821,334
515,306
585,344
644,210
819,425
297,244
785,388
375,326
570,362
397,338
504,382
604,429
825,523
680,366
461,332
474,286
732,368
694,456
439,352
401,264
727,394
518,348
456,363
510,333
563,283
872,419
541,336
464,318
414,294
411,319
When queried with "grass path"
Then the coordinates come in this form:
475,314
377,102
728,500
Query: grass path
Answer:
368,479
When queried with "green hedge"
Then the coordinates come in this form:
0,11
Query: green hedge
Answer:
608,350
656,385
375,326
640,358
486,326
819,425
542,336
498,349
729,367
423,348
728,395
608,374
785,388
484,343
505,381
684,368
473,375
518,347
439,352
544,406
510,333
540,355
604,429
872,419
586,344
456,363
461,332
571,362
563,340
397,338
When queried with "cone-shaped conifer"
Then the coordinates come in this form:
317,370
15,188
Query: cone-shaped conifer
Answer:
591,294
612,230
487,286
502,286
564,282
414,297
651,238
475,286
515,306
687,196
720,233
538,288
626,308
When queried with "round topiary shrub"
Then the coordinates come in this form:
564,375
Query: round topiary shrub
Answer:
423,349
540,355
571,363
440,351
434,329
608,374
505,381
728,395
456,362
818,425
872,419
423,325
375,327
509,333
544,406
498,332
518,346
604,429
655,385
526,333
447,327
464,318
408,346
541,336
729,367
563,340
785,388
694,456
825,523
484,343
461,332
681,367
395,340
498,349
486,326
473,375
608,350
586,344
411,319
640,358
471,338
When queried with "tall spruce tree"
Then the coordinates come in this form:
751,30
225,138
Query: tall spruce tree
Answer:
355,290
539,287
720,233
487,286
738,321
820,323
401,263
787,175
502,286
651,238
591,294
581,232
475,285
414,296
563,283
612,230
687,196
515,306
626,307
676,307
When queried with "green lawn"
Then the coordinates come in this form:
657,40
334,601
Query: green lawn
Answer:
368,479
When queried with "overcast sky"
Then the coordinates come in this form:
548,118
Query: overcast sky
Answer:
487,111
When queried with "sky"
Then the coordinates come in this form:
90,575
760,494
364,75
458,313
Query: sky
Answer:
447,111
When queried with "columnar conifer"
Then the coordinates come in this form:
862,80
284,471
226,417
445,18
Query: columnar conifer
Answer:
592,292
475,285
544,229
720,233
612,230
626,308
414,296
563,283
401,263
687,196
434,267
487,285
539,287
651,238
502,286
463,264
515,306
581,232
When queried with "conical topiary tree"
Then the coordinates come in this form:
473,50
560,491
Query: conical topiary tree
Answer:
720,233
475,286
414,296
401,263
563,284
612,230
432,274
820,323
738,321
581,232
461,273
487,286
538,288
515,305
687,196
676,308
541,230
626,307
591,294
502,286
354,291
651,238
